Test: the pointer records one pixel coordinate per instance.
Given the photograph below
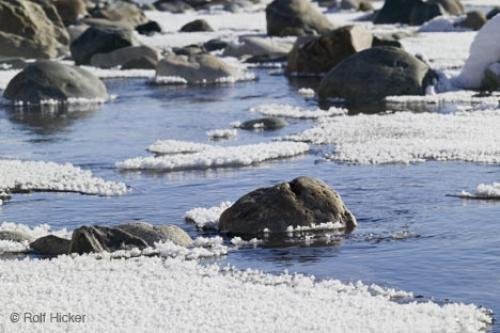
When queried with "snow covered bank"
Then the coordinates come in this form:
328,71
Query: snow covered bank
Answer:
290,111
217,156
21,176
483,191
405,137
151,293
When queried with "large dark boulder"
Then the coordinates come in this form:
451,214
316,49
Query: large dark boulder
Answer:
304,201
416,12
99,40
196,26
295,18
45,80
372,74
148,28
50,245
31,30
318,55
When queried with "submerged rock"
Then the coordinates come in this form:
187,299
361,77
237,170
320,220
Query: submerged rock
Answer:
196,26
46,80
172,6
304,201
200,68
31,30
295,18
491,79
124,55
316,55
125,12
99,40
50,245
372,74
268,123
258,46
416,12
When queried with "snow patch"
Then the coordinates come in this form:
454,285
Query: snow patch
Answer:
220,134
165,147
31,233
290,111
207,218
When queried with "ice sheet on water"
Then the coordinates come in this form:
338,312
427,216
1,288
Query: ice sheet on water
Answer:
406,137
177,147
443,24
17,175
207,218
151,293
217,156
483,191
290,111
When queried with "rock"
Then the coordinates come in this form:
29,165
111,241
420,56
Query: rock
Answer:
492,13
45,80
372,74
258,46
365,6
31,30
99,40
172,6
148,28
304,201
76,31
360,5
386,41
143,62
189,50
128,13
473,20
295,18
316,55
201,68
14,235
105,23
158,233
50,245
268,123
70,10
196,26
89,239
13,63
416,12
491,80
124,55
214,45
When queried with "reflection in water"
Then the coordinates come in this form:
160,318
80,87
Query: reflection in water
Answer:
49,119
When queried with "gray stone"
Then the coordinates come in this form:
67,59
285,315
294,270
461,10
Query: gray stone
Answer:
189,50
70,10
99,40
295,18
474,20
174,234
15,236
416,12
157,233
316,55
214,45
258,46
141,63
202,68
491,80
267,123
51,80
124,55
372,74
31,30
196,26
172,6
50,245
125,12
304,201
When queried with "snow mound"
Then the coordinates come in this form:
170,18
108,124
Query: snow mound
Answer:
21,176
8,246
151,293
207,218
483,191
165,147
405,137
220,134
217,156
290,111
484,51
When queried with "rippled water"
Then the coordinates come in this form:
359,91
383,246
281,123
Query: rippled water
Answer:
410,235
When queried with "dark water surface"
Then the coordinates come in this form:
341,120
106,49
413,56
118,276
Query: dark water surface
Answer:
411,236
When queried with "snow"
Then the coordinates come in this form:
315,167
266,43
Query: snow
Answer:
217,156
484,51
239,242
177,147
219,134
405,137
31,233
16,175
483,191
207,218
306,92
451,100
108,73
315,227
290,111
443,24
175,80
6,76
151,293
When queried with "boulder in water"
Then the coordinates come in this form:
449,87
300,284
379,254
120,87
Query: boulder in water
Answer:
50,245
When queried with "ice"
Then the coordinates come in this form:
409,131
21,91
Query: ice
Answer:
31,233
306,92
483,191
457,99
219,134
443,24
484,51
108,73
239,242
217,156
290,111
406,137
151,293
6,76
315,227
207,218
177,147
20,176
175,80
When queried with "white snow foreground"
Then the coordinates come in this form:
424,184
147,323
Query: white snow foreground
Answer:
405,137
484,51
16,175
483,191
290,111
216,156
151,294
